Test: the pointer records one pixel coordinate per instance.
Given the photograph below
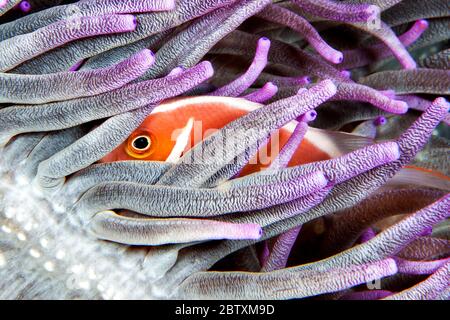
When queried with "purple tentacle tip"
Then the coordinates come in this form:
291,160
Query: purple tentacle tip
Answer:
77,65
373,11
346,73
309,116
380,121
304,80
131,23
175,71
338,57
25,6
422,24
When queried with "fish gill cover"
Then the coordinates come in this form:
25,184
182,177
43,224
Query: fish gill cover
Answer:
224,149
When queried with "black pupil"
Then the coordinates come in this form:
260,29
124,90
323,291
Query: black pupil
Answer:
141,143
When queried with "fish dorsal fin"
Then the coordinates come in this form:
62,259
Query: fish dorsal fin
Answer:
176,103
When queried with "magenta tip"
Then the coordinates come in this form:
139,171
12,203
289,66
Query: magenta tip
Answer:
25,6
304,80
270,86
264,42
373,11
208,65
77,65
254,231
308,116
148,52
380,121
427,232
176,71
423,24
311,116
146,55
346,73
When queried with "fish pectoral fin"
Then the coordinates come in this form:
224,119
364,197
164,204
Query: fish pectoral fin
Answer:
420,177
336,143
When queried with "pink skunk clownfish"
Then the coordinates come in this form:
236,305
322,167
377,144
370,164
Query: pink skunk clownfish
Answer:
201,116
176,125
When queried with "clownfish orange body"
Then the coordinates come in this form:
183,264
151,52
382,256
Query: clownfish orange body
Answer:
176,125
157,136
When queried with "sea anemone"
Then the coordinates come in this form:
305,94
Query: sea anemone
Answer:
224,149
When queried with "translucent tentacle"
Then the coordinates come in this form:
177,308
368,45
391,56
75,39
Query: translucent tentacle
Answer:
24,47
134,231
430,81
37,89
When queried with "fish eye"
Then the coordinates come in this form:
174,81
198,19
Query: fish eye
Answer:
140,145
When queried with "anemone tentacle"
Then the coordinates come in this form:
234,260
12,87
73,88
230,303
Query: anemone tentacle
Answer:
242,83
70,85
63,58
411,81
421,10
361,57
281,15
138,231
157,200
336,11
287,283
20,119
58,34
268,91
431,288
